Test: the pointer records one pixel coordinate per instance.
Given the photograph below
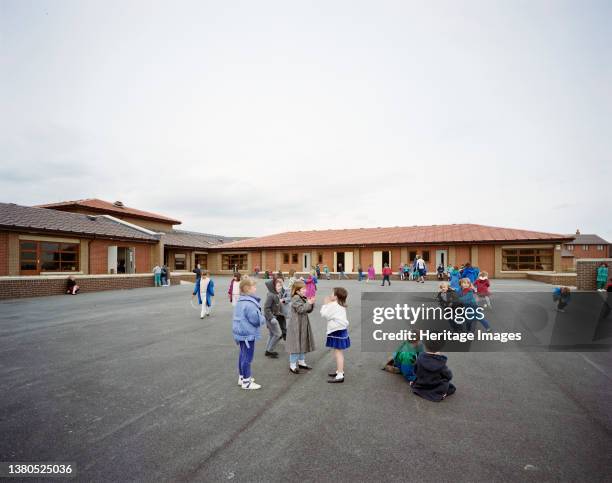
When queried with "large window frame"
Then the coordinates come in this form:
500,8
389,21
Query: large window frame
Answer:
240,260
38,256
525,259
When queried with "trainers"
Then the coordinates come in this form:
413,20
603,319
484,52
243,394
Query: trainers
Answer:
250,385
241,380
272,354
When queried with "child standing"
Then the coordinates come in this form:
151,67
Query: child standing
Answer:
440,271
447,297
299,333
454,277
400,271
433,377
359,273
602,277
371,273
273,314
234,289
326,272
482,285
206,294
386,274
406,271
245,327
157,275
334,311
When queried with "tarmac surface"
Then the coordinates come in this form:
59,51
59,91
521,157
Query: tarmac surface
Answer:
133,386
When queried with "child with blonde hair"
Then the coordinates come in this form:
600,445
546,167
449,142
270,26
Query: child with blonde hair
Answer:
483,293
246,325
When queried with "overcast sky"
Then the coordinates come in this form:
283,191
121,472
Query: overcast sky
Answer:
250,118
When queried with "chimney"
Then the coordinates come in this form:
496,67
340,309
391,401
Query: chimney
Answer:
118,204
577,231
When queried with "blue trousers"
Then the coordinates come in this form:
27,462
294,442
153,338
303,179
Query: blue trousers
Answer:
245,358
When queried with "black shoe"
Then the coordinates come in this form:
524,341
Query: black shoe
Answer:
273,355
294,371
306,368
335,381
333,374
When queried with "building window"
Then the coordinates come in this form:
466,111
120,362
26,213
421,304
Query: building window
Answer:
231,260
426,255
520,259
285,258
320,258
599,248
412,256
202,259
570,248
48,256
294,258
179,261
585,248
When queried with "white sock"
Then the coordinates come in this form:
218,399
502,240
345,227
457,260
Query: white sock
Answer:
339,375
302,363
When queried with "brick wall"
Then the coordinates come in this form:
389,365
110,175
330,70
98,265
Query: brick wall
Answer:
586,272
98,256
591,251
4,254
21,287
568,279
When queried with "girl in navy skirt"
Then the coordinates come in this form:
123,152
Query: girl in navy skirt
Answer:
334,311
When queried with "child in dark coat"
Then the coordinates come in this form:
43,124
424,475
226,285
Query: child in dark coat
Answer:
432,374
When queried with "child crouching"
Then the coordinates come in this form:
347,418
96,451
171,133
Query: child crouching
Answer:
245,327
432,374
404,358
334,311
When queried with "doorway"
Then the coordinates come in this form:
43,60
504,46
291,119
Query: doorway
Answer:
380,258
307,262
125,260
441,258
340,260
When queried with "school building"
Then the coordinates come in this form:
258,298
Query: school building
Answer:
503,252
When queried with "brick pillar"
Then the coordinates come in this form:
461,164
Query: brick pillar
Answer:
586,272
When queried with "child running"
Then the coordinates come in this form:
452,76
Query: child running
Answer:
205,294
246,330
483,293
299,333
454,276
334,311
466,299
433,377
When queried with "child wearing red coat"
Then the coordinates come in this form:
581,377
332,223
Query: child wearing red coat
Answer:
482,285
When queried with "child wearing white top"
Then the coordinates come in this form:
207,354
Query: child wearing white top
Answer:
334,311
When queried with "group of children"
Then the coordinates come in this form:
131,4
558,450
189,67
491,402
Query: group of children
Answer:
286,314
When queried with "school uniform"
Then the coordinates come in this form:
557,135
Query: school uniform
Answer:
337,326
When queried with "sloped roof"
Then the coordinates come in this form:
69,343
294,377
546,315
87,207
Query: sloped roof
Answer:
29,218
587,239
192,239
111,208
460,233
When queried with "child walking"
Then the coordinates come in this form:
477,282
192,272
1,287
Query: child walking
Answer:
483,293
334,311
205,294
246,330
234,289
299,333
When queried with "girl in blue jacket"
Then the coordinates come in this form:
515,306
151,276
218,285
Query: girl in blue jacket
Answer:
248,319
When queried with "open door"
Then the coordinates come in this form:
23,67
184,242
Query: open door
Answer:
307,265
130,266
377,261
112,259
348,261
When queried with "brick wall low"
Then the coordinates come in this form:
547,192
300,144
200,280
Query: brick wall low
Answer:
586,272
21,287
568,279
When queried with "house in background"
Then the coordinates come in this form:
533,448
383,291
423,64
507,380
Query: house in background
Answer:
583,246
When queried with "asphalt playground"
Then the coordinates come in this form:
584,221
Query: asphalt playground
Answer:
133,386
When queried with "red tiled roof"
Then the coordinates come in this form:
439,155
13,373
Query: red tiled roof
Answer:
399,235
111,208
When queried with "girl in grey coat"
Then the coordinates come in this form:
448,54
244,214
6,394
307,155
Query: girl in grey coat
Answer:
299,333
